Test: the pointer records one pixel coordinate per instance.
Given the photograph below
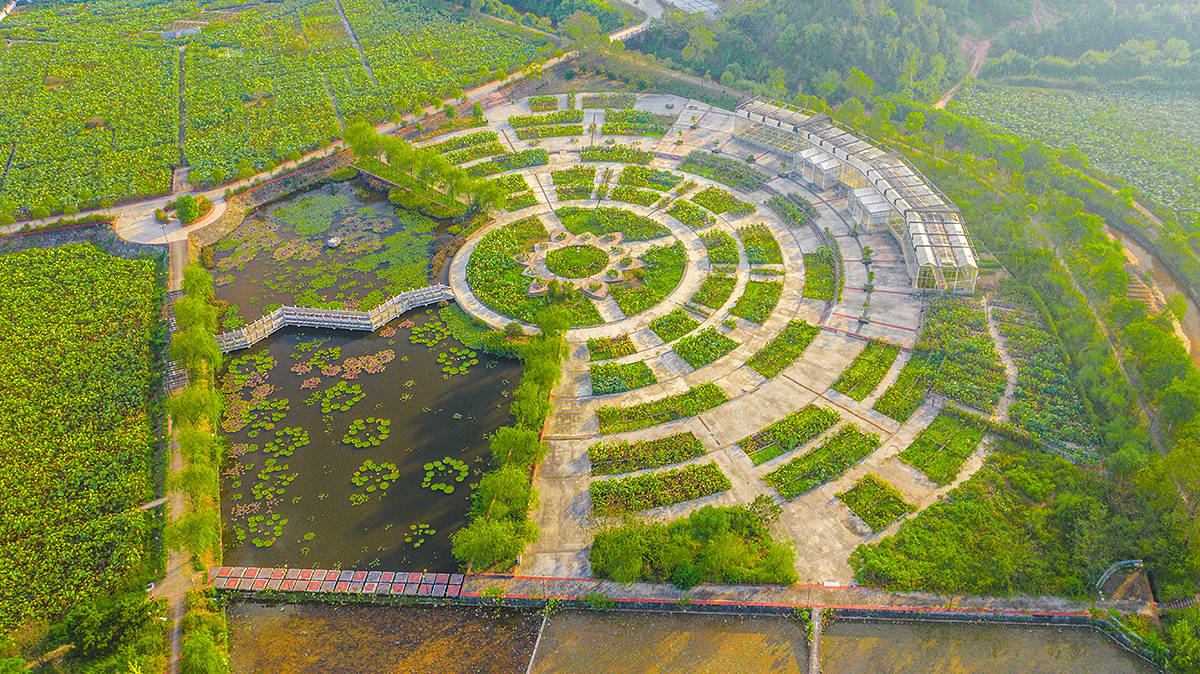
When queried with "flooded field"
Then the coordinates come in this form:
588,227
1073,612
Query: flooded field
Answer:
575,641
322,638
854,646
355,450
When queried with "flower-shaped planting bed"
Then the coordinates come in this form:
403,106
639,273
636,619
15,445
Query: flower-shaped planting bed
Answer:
583,260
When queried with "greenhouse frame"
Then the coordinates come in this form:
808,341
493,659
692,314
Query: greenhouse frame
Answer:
883,192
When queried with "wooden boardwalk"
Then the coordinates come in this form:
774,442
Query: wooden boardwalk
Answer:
336,319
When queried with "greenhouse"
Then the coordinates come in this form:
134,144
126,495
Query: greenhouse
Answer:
882,190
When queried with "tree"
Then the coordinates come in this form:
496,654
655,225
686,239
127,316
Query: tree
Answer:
486,542
519,446
581,26
450,111
198,283
477,110
701,41
199,655
915,121
618,553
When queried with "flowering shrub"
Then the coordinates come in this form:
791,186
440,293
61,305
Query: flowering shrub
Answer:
719,201
690,214
616,377
714,291
607,348
704,347
616,153
611,458
672,326
654,490
788,433
689,403
761,246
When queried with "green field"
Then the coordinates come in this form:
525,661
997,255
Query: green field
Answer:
1149,139
93,114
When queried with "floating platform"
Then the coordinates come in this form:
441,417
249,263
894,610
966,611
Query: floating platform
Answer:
334,581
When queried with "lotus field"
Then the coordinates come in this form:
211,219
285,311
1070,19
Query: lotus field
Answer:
788,433
76,443
655,490
612,458
835,456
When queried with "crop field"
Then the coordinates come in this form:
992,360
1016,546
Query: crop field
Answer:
1149,139
75,435
96,114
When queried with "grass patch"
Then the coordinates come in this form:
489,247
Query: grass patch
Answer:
672,326
788,433
607,348
783,349
867,370
875,502
704,347
758,301
835,456
714,291
943,447
663,270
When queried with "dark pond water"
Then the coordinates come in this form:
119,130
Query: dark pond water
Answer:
279,254
323,638
869,646
288,502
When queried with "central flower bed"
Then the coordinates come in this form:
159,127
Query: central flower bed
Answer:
576,261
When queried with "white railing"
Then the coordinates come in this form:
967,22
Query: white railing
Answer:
337,319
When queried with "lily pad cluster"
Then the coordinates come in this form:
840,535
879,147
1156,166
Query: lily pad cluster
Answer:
457,361
262,415
417,533
444,471
430,333
248,370
286,441
359,436
270,526
272,480
340,397
373,477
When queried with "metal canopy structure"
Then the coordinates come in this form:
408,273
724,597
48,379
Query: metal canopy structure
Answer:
883,190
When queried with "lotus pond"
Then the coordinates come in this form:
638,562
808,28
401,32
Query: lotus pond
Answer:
280,255
357,451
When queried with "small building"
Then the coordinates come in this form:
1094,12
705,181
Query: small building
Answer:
176,33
